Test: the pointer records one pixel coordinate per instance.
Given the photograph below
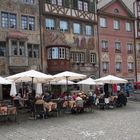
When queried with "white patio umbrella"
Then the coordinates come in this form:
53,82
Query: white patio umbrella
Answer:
13,90
39,89
67,75
88,81
110,79
62,82
31,75
4,81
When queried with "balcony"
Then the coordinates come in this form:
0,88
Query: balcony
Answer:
118,70
118,50
130,70
130,51
105,70
104,49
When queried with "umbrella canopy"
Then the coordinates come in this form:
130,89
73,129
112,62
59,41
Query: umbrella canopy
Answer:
88,81
110,79
62,82
4,81
13,90
39,89
68,75
31,75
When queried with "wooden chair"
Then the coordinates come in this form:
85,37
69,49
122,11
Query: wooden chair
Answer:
39,111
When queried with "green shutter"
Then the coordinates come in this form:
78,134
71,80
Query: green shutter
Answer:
48,1
92,7
66,3
74,4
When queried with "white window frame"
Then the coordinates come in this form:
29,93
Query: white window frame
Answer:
103,22
50,24
93,58
116,24
76,28
55,53
63,26
130,66
62,53
117,45
88,29
128,26
104,44
118,66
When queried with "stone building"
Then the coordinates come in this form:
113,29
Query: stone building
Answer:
116,40
19,36
69,36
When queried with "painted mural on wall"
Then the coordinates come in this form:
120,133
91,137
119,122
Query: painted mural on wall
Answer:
58,38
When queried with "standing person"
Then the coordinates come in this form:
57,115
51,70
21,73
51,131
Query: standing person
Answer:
118,88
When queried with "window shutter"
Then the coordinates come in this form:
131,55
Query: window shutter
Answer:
66,3
74,4
92,7
48,1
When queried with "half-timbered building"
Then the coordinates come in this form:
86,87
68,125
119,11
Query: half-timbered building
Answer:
69,36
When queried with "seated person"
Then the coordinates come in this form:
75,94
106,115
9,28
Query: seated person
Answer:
74,95
39,100
78,97
18,100
47,97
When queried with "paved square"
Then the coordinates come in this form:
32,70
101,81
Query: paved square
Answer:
114,124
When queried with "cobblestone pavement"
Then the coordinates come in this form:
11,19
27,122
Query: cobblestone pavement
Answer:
114,124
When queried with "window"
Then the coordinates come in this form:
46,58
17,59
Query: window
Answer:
50,24
18,48
63,26
76,28
33,50
28,23
93,58
104,45
116,24
105,66
130,66
128,26
88,29
117,47
31,23
116,11
58,2
67,54
62,53
103,22
82,5
8,20
118,66
78,57
58,53
54,53
2,49
29,1
129,48
21,48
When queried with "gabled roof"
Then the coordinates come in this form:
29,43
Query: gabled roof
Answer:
127,5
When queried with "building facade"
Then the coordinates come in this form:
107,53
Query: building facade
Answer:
19,36
69,36
116,40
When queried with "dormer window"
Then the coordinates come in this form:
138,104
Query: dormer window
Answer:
116,11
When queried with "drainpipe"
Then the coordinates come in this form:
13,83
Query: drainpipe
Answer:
98,43
135,53
40,32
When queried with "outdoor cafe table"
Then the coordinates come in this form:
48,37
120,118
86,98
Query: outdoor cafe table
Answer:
50,106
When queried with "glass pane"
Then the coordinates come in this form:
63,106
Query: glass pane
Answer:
54,53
